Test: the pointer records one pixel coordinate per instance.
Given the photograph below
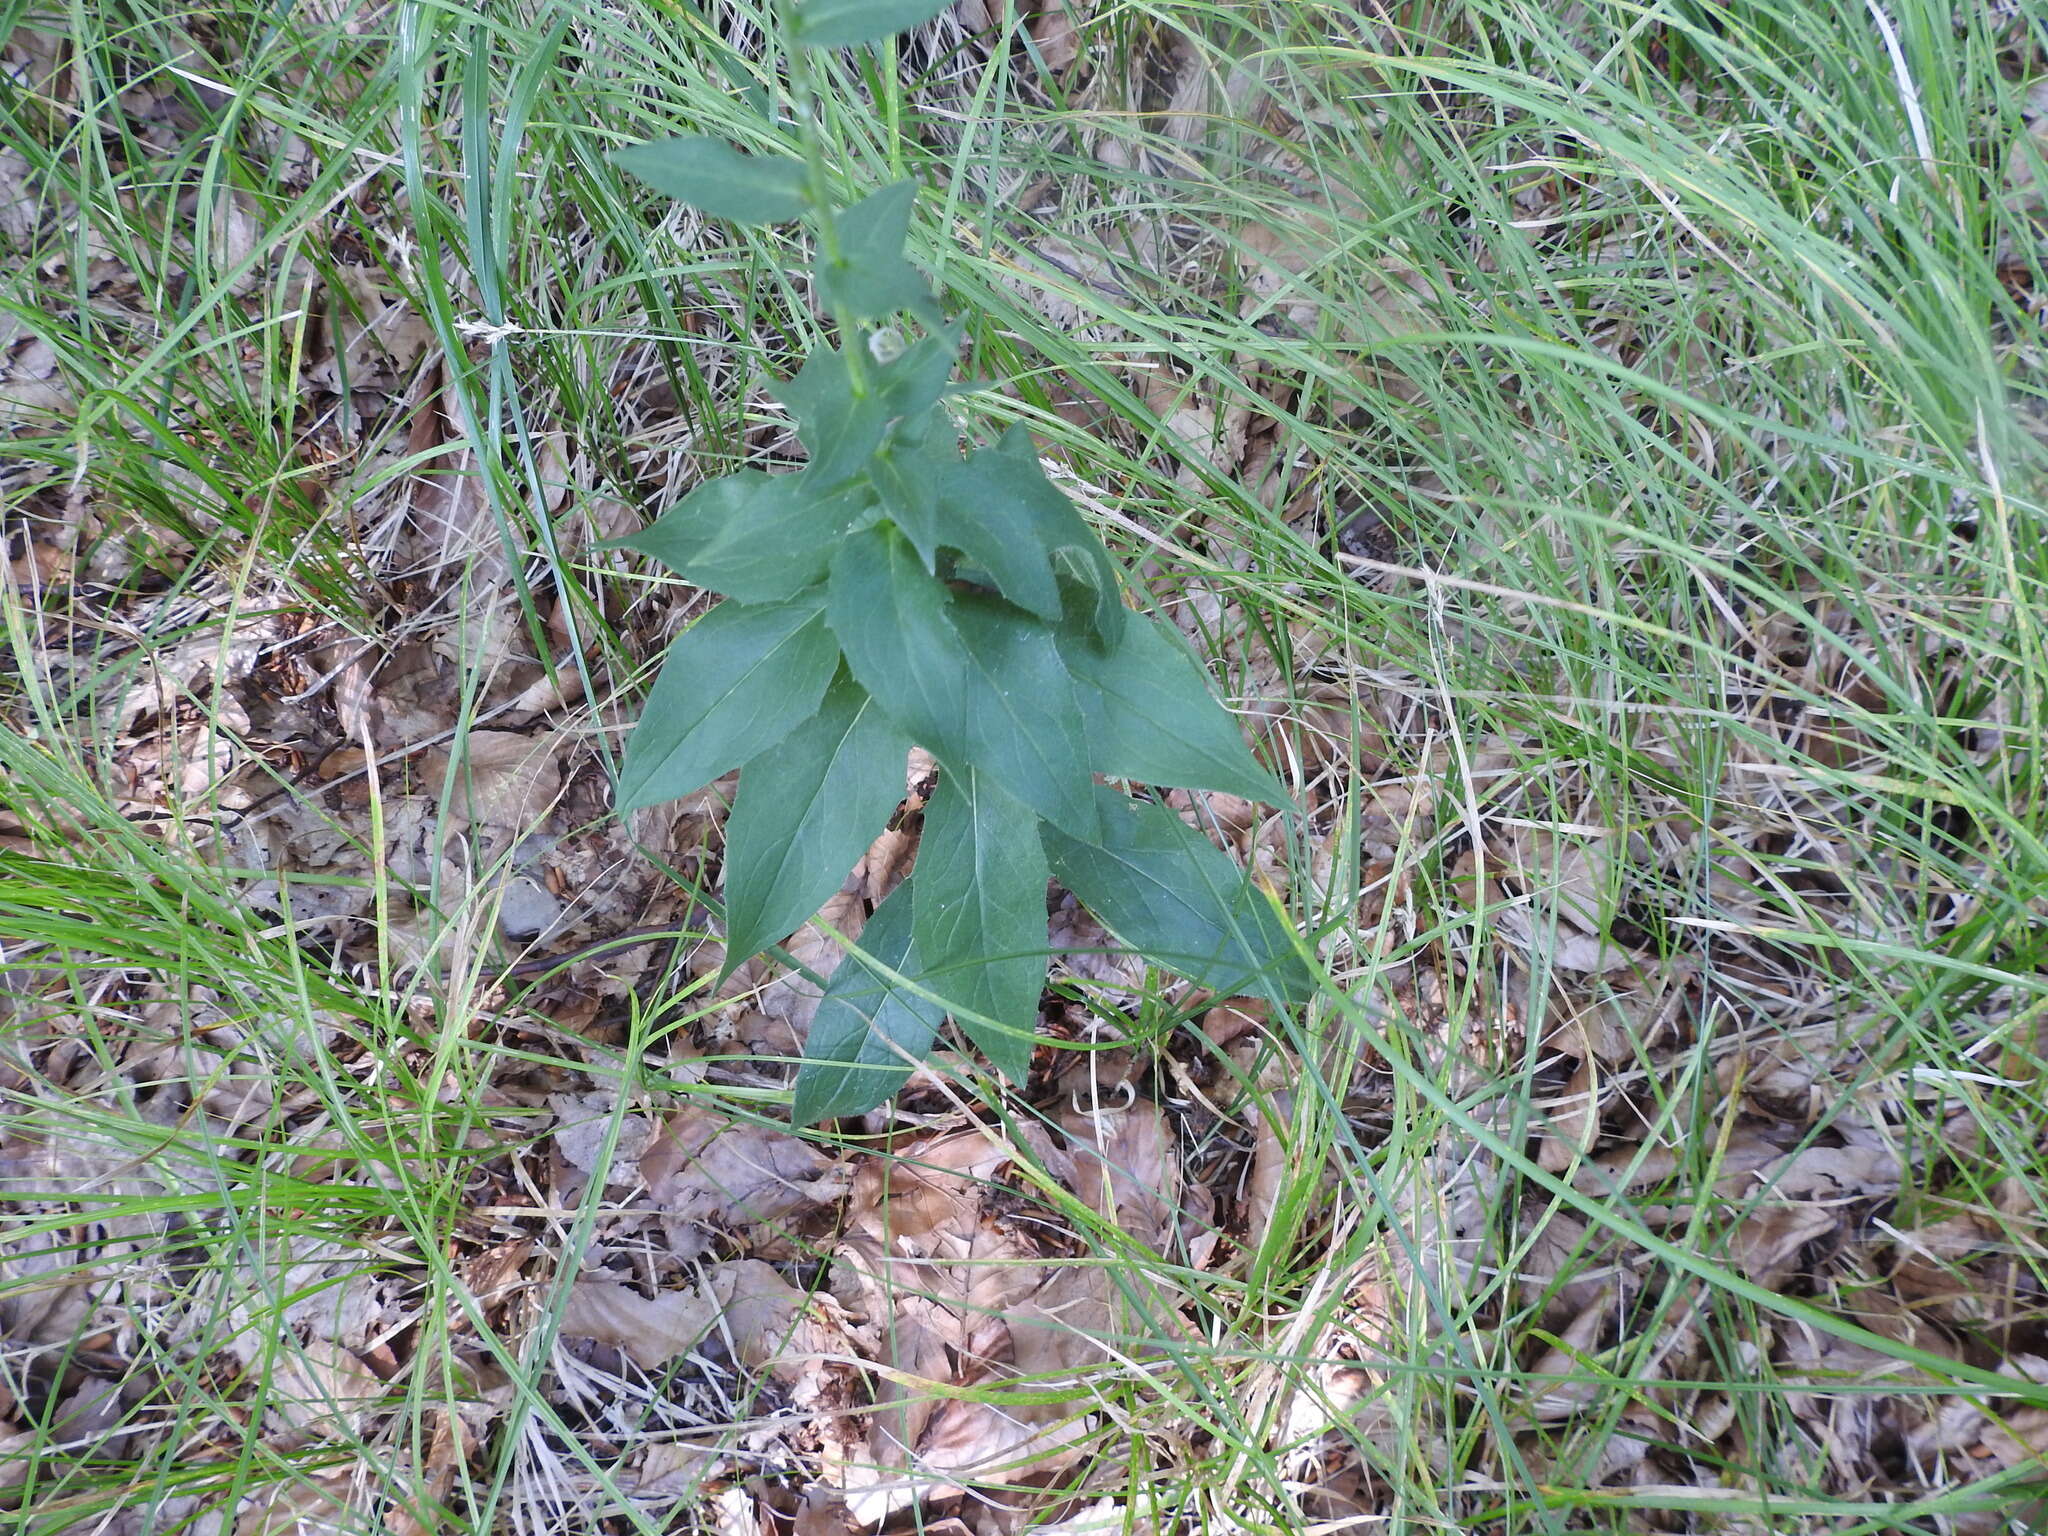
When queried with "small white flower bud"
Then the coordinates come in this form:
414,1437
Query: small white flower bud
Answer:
886,345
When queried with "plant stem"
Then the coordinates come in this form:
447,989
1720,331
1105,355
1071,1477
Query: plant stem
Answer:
803,103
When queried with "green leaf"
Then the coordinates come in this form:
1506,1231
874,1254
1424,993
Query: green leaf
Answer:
971,679
980,515
1174,897
906,471
868,1032
914,381
1151,716
806,812
1023,723
979,920
871,279
848,23
842,430
758,538
1005,487
739,680
725,182
893,620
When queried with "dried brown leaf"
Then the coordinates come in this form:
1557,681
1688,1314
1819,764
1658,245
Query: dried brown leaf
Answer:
946,1249
648,1330
1832,1174
1126,1166
1554,1395
323,1389
506,780
583,1124
315,1505
1765,1246
702,1167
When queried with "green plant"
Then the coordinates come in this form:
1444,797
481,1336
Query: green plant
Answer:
895,591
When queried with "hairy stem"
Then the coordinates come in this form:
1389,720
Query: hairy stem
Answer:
803,104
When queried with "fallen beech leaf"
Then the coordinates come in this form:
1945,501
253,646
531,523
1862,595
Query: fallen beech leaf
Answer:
1105,1517
1832,1173
649,1330
301,1508
583,1123
2022,1438
507,780
1126,1167
324,1388
1766,1245
960,1293
703,1167
1562,1397
758,1309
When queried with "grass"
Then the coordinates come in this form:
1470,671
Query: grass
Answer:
1678,371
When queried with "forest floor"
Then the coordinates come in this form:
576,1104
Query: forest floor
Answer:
1598,449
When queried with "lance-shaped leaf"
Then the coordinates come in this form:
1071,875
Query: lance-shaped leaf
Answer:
997,507
893,619
758,538
1006,535
871,279
840,429
806,812
868,1032
916,379
906,472
1152,718
1172,896
725,182
1024,721
847,23
979,919
739,680
972,681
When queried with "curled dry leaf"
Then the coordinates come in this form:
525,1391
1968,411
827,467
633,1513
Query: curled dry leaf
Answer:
1086,949
583,1124
32,387
768,1323
505,780
1938,1273
1126,1167
2020,1440
1765,1246
1566,1380
1105,1517
1572,874
1269,1166
1561,944
784,1008
947,1250
1632,1170
1567,1267
1205,434
704,1168
321,1388
310,1506
1832,1174
1574,1120
648,1330
376,338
